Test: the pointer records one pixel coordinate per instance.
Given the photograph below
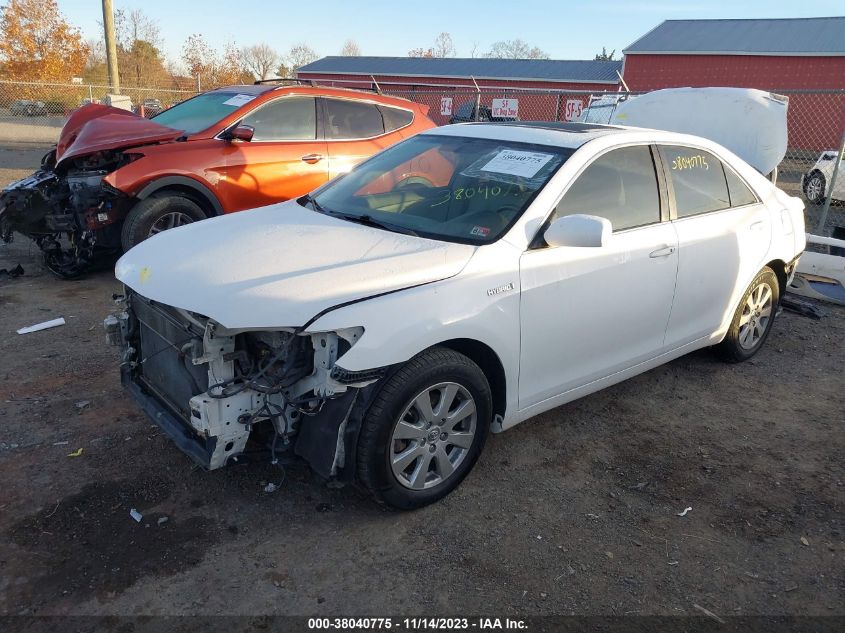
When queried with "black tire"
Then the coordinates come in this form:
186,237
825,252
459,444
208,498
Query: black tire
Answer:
375,443
818,196
139,223
733,348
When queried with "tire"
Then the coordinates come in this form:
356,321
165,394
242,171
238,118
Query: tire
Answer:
753,318
423,446
152,215
814,187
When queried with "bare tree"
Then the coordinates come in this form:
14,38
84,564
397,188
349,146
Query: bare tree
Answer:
260,59
134,25
604,56
300,55
350,49
516,49
444,46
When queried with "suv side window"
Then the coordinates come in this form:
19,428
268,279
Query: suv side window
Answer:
286,119
739,192
620,186
395,118
346,119
698,179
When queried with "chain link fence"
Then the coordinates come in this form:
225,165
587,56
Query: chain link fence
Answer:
34,112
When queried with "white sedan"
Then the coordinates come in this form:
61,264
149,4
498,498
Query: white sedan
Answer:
460,282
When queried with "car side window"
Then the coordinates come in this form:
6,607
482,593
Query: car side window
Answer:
698,180
287,119
739,192
346,119
395,118
620,186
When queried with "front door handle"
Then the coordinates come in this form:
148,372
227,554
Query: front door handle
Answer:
312,158
662,252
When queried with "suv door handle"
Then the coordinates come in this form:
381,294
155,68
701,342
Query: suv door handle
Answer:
312,158
662,252
756,226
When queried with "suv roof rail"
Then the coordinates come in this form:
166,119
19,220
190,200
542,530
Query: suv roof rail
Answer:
313,83
258,82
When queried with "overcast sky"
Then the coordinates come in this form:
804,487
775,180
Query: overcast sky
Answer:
566,29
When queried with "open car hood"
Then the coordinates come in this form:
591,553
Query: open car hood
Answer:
96,128
281,265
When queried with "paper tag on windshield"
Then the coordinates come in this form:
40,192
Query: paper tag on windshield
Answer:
524,164
238,100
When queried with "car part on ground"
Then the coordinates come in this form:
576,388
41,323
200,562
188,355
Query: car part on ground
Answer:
116,178
379,327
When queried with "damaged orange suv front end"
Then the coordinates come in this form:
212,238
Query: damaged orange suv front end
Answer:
116,178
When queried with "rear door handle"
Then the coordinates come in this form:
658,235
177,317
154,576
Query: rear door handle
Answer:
662,252
756,226
312,158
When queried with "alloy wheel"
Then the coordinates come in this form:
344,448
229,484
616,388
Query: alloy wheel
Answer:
170,221
815,189
433,435
756,315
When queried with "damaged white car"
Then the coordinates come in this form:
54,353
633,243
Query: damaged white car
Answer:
462,281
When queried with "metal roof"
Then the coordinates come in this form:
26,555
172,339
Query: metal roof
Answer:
787,37
562,70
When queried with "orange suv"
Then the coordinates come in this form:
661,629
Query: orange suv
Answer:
116,178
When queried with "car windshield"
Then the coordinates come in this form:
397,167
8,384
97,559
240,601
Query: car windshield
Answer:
457,189
202,111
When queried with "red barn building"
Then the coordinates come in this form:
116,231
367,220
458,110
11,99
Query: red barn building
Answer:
426,79
778,55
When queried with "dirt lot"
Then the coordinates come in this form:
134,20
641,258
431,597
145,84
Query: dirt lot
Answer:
573,512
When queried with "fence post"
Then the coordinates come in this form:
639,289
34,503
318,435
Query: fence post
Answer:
477,99
90,93
826,207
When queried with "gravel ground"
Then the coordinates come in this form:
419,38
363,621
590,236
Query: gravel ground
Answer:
576,511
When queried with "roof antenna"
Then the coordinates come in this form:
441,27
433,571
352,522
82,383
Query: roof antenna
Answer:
624,85
378,88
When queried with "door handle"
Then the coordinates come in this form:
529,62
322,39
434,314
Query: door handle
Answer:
662,252
756,226
312,158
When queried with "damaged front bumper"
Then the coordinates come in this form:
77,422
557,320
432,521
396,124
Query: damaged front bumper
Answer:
74,216
192,378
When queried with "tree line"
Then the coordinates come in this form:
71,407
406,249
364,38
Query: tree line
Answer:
37,43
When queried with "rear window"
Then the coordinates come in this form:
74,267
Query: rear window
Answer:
738,190
346,119
203,111
395,118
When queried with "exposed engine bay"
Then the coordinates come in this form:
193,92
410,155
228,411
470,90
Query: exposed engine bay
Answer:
68,211
229,395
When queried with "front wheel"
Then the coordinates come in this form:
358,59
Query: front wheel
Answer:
425,429
814,187
156,214
753,318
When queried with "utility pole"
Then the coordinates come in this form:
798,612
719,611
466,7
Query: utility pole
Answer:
111,46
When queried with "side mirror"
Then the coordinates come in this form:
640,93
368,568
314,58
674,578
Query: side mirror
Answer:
241,133
579,230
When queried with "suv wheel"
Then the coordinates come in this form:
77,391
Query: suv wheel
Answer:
425,429
156,214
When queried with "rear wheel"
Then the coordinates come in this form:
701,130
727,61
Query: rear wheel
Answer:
425,429
156,214
753,318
